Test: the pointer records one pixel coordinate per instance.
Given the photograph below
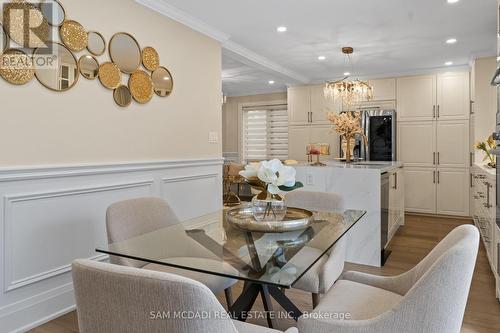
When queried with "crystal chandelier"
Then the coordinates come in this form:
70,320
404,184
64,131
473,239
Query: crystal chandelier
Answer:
352,92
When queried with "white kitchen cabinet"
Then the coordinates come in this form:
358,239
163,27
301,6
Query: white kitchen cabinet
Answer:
307,105
416,98
417,143
298,138
453,191
321,106
396,200
299,105
301,136
452,144
453,96
420,190
384,89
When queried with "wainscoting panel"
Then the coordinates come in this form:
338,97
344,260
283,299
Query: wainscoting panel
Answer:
50,216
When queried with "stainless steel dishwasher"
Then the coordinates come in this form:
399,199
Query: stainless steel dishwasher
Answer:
384,215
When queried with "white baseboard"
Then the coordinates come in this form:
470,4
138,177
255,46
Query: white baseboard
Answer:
51,215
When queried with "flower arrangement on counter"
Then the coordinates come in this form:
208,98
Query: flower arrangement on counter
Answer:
270,177
487,146
348,125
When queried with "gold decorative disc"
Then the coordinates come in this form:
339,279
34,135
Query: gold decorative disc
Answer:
110,75
15,25
74,36
150,59
16,67
141,86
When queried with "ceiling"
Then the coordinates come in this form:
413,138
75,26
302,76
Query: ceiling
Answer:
390,37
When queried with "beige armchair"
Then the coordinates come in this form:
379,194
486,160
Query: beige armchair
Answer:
132,218
319,279
118,299
430,298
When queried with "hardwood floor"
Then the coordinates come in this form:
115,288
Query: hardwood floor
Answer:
409,246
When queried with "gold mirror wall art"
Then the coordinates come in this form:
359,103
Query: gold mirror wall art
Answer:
122,96
150,59
62,73
125,52
162,82
89,67
96,43
110,75
141,86
16,67
73,35
53,12
14,27
55,65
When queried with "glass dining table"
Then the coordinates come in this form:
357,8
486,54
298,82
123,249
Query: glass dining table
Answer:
268,263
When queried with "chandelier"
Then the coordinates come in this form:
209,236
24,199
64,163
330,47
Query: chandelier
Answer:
352,92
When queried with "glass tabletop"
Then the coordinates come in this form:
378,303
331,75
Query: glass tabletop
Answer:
210,245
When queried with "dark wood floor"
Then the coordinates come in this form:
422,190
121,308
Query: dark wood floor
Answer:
409,246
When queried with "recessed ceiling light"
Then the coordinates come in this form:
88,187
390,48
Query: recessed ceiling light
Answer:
451,41
347,74
321,58
453,1
271,82
281,29
448,63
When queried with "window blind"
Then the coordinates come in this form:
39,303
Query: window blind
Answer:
265,133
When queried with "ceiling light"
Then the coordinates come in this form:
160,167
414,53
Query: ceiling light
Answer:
282,29
451,41
271,82
448,63
453,1
347,74
321,58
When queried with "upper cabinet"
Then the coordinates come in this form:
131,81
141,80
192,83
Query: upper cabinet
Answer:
299,105
383,89
453,96
434,97
308,105
416,98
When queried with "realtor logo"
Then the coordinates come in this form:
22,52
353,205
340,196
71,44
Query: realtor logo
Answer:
25,24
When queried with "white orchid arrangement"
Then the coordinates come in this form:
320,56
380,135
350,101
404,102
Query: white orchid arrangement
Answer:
271,177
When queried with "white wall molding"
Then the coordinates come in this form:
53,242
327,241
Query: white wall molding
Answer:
51,215
238,50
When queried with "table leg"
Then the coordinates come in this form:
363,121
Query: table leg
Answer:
268,306
285,302
245,302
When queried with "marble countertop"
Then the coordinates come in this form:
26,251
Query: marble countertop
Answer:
483,167
380,166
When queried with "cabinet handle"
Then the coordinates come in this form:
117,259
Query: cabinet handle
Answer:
438,111
434,177
434,158
488,204
439,158
471,181
396,181
433,111
439,181
471,158
472,107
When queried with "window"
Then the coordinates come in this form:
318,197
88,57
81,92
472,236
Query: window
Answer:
265,133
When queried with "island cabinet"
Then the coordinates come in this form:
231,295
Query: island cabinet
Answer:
308,121
396,200
434,142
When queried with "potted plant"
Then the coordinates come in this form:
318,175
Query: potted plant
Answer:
270,177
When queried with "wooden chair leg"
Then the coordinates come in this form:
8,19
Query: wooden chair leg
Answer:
315,299
229,298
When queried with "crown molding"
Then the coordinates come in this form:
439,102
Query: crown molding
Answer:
242,53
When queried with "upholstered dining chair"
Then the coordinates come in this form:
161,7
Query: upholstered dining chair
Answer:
430,298
117,299
135,217
319,279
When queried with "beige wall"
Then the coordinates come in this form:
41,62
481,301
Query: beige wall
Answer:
84,125
485,99
230,126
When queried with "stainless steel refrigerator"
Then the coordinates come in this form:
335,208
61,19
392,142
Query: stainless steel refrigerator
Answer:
380,129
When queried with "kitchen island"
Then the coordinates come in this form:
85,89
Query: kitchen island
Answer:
377,187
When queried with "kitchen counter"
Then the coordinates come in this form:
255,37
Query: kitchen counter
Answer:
360,187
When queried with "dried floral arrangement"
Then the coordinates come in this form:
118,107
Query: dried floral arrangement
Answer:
487,147
348,125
